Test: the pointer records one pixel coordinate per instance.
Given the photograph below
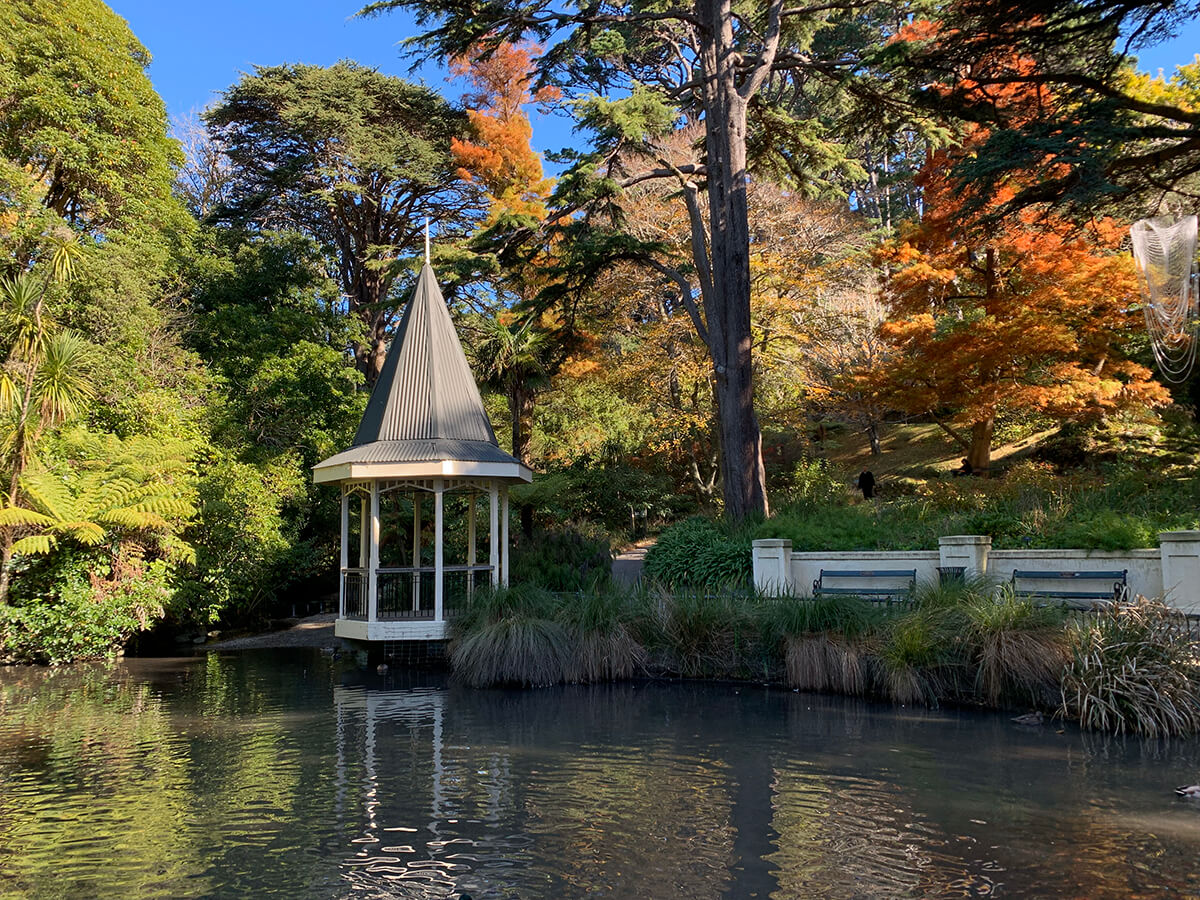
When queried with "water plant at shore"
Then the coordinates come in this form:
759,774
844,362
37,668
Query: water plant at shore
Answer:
822,640
1127,668
1019,649
1134,669
509,636
601,627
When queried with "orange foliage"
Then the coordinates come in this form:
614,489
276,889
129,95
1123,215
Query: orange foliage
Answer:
1024,314
1027,317
500,156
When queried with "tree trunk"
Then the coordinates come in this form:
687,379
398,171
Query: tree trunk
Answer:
873,437
6,555
979,454
520,405
742,470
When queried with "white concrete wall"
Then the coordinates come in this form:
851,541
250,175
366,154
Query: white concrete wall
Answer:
1144,577
1172,571
807,566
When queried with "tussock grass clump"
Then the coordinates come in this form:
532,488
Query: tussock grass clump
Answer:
527,652
601,628
705,633
509,636
822,640
1019,649
1132,670
914,659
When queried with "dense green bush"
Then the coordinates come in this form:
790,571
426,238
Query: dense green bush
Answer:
1118,507
701,552
80,607
562,559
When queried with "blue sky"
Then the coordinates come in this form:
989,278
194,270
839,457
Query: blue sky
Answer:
199,49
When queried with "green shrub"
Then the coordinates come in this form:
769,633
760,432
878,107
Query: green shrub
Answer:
814,483
564,559
81,611
701,553
1133,669
1109,530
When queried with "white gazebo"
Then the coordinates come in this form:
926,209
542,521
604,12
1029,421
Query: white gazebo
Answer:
422,459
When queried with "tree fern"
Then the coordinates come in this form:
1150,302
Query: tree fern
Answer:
113,489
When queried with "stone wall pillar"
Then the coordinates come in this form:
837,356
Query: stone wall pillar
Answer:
965,551
772,559
1181,569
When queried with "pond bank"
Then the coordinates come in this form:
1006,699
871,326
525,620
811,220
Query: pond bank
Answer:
310,631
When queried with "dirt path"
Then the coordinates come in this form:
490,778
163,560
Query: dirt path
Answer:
313,631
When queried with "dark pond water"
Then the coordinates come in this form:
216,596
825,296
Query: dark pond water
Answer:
292,775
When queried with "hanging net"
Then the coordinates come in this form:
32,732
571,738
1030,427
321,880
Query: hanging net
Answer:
1165,252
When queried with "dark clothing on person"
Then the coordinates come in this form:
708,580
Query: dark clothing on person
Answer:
965,468
866,483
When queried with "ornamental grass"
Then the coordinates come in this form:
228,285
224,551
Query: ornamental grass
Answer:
1134,669
1129,668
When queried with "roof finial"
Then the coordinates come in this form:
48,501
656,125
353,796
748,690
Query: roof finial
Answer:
427,240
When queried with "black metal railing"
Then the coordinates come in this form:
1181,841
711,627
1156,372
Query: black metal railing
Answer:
406,593
354,593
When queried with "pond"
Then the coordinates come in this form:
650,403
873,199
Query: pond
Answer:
295,775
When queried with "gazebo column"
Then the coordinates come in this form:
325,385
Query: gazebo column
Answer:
471,545
416,576
494,533
373,568
439,595
343,553
504,536
364,532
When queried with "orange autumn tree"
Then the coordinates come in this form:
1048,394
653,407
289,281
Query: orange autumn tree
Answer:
499,155
993,313
1022,317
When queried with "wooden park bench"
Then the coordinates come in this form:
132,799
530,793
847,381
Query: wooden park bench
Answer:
1115,586
892,592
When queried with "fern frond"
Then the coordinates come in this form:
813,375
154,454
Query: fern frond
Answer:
35,544
17,515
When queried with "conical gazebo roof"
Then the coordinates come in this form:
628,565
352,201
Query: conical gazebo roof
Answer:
425,416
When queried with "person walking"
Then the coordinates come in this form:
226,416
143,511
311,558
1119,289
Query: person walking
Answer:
866,484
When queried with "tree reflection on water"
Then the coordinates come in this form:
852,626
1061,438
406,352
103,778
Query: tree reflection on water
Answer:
232,776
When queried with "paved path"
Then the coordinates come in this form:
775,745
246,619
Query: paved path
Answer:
314,631
627,565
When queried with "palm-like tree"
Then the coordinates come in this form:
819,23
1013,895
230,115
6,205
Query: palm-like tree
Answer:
516,358
43,378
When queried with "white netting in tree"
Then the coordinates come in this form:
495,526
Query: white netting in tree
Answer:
1165,252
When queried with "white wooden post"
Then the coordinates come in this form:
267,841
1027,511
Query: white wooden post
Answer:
364,532
373,569
504,536
471,545
343,554
439,596
416,576
494,533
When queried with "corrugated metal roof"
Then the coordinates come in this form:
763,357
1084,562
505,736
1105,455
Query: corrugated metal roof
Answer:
426,390
425,407
421,451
